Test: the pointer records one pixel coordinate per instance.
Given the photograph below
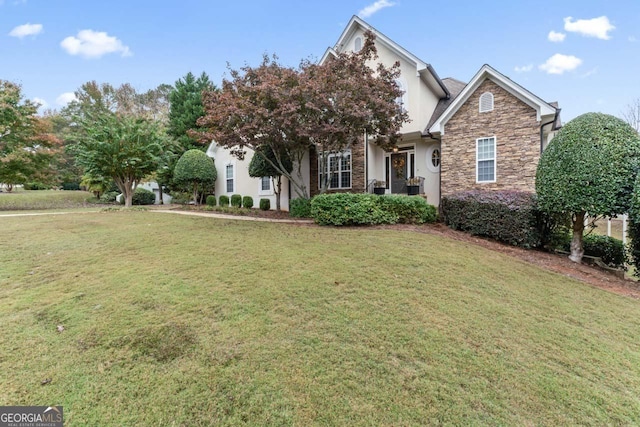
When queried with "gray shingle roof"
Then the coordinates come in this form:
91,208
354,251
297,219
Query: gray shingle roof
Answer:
455,87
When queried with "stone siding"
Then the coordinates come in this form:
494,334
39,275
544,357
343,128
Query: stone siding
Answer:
357,171
517,133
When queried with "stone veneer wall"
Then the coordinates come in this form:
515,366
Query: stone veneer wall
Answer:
357,171
517,133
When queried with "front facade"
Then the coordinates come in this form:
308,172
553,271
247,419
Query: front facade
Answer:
484,134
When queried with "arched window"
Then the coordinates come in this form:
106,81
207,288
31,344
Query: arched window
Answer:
357,44
486,102
402,99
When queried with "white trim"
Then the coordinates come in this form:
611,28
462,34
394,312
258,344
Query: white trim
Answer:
487,95
541,107
233,178
495,159
268,192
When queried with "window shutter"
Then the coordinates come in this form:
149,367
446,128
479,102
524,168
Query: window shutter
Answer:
486,102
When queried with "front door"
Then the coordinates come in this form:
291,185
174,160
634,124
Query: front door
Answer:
399,173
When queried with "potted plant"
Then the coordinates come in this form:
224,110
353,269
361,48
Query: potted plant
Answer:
413,186
379,187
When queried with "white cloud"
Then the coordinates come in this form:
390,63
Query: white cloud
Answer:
94,44
369,10
26,30
560,63
524,68
596,27
65,98
42,102
590,73
556,37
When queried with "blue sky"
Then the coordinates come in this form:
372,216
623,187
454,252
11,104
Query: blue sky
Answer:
584,54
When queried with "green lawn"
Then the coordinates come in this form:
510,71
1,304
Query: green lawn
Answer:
43,199
174,320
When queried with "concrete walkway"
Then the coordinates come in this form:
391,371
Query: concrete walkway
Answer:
178,212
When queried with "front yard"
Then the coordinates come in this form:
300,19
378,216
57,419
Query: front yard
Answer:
175,320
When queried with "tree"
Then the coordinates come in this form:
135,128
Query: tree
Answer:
195,169
328,106
631,114
589,170
260,167
185,110
27,145
123,148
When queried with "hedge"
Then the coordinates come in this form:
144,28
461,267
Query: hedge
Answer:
300,208
609,249
265,204
236,200
409,209
211,200
507,216
223,200
350,209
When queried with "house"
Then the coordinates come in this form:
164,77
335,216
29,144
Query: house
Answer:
484,134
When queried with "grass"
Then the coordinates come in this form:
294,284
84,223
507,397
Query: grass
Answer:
173,320
43,199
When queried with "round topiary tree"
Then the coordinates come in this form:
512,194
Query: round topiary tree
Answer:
588,169
264,162
196,170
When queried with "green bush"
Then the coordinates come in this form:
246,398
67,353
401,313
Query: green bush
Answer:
109,197
507,216
265,204
350,209
247,202
236,200
609,249
409,209
73,186
35,186
300,208
142,196
180,197
211,200
223,200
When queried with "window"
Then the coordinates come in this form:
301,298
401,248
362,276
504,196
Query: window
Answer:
402,99
265,183
486,160
334,169
486,102
229,175
357,44
435,158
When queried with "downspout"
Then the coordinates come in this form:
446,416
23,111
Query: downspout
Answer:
366,161
555,117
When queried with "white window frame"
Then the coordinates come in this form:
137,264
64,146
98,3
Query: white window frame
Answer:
429,157
262,192
340,171
484,95
233,178
495,162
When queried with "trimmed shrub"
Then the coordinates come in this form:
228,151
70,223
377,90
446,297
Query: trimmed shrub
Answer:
109,197
350,209
196,171
211,200
223,200
72,186
142,196
409,209
507,216
247,202
265,204
236,200
300,208
609,249
180,197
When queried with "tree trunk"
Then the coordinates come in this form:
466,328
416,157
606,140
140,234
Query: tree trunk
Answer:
195,194
128,198
577,250
278,186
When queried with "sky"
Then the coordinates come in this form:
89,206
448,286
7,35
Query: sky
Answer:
585,54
